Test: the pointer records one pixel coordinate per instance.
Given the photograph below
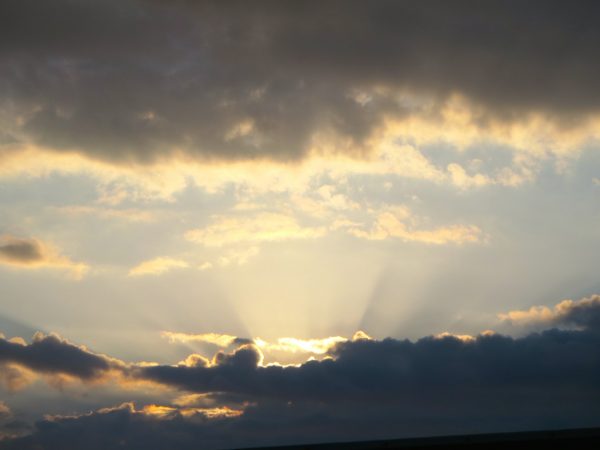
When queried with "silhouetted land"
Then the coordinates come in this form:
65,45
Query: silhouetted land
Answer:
588,438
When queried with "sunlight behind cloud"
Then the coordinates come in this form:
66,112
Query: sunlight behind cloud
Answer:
264,227
34,254
157,266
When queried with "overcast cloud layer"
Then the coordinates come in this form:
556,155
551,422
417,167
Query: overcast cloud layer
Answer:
142,80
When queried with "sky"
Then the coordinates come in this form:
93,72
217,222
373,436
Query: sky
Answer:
236,224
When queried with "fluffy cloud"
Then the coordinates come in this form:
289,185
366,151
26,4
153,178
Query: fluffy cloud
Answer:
374,388
52,355
392,369
285,350
33,253
583,313
367,389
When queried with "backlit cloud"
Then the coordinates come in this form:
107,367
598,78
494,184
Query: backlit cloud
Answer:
360,382
224,83
220,340
263,178
157,266
581,313
394,223
263,227
50,354
33,254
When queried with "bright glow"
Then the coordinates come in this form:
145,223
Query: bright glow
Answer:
157,266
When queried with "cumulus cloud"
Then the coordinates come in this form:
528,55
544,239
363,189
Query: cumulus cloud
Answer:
583,313
124,426
392,369
52,355
375,388
136,81
32,254
366,389
284,350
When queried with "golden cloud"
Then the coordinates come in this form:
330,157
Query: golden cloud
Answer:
392,223
157,266
263,227
566,312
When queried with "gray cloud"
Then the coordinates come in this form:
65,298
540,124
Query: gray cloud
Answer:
140,80
369,389
49,354
374,371
21,251
582,314
32,253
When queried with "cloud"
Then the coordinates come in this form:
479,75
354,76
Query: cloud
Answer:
52,355
262,227
10,427
220,340
363,389
152,427
205,80
366,389
392,223
33,253
157,266
295,345
393,369
583,313
284,350
14,377
129,215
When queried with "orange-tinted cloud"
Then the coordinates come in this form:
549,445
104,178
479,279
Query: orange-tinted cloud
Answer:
157,266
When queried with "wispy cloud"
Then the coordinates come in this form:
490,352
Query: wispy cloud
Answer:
157,266
395,223
263,227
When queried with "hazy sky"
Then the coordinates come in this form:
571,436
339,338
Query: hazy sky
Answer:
214,197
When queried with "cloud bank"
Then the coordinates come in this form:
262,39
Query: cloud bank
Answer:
140,81
375,388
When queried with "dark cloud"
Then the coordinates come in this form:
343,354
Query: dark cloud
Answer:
368,389
49,354
139,80
20,251
376,371
126,427
584,313
281,423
